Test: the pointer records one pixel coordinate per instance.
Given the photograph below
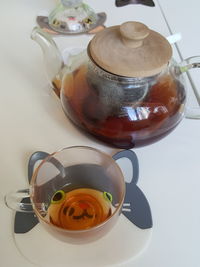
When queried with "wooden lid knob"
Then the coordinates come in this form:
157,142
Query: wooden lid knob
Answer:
133,33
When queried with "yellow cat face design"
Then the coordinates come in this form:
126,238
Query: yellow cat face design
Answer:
80,208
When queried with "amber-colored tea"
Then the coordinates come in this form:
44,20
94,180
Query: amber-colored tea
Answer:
126,125
79,209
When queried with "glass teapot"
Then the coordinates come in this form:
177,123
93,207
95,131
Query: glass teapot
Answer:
125,89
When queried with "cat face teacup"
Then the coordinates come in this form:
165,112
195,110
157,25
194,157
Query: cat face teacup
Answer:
76,193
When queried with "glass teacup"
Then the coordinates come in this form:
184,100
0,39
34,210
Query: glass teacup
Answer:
77,194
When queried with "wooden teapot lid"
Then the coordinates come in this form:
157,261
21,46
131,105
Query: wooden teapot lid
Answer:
131,50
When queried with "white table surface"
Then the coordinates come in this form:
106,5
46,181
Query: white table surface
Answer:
32,119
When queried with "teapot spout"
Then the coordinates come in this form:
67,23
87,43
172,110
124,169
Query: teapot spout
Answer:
52,57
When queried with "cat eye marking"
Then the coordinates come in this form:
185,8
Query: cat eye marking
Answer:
108,196
58,197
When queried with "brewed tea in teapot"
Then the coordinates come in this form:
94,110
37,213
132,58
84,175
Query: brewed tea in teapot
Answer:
123,122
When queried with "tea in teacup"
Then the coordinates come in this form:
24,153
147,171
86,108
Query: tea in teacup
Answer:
79,209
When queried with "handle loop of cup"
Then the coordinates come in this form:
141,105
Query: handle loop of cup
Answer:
13,201
20,200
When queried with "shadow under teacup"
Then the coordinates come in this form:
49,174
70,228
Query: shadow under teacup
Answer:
77,194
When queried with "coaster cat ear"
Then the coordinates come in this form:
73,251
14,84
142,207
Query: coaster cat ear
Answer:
129,154
136,207
24,222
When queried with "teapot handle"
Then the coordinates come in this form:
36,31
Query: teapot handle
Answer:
185,66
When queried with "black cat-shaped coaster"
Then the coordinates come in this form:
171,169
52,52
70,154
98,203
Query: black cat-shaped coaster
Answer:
43,22
120,3
127,239
135,207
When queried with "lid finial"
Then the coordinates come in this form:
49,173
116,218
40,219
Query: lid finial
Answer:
133,33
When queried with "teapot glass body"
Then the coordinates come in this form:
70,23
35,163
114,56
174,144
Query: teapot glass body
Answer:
122,111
